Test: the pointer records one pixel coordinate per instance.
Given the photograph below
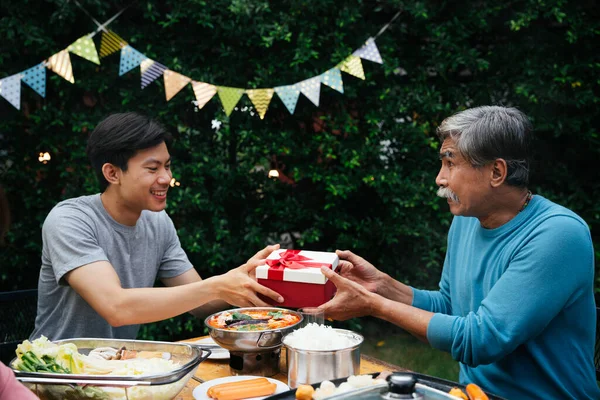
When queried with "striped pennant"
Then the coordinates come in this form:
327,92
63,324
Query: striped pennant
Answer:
110,43
10,89
261,99
61,64
203,92
369,52
84,47
311,88
333,79
174,82
229,97
289,96
151,70
353,66
35,77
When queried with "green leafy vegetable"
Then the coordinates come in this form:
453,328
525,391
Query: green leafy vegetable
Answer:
240,316
276,314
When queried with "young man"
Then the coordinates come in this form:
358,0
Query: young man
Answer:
515,305
102,253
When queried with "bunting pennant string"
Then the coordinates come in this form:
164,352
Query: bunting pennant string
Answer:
261,99
10,89
229,97
353,66
84,47
174,82
333,79
61,64
150,70
311,88
369,52
289,96
203,92
130,58
35,77
110,43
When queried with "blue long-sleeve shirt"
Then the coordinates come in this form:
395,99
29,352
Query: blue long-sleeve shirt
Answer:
516,305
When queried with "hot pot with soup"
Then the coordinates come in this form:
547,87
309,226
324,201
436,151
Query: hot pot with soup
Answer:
253,336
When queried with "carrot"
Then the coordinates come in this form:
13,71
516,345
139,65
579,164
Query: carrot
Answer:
245,383
244,393
458,393
475,392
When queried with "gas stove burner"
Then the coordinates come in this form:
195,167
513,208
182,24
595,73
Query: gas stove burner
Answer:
264,363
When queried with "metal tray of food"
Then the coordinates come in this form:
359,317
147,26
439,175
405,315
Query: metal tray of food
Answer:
47,385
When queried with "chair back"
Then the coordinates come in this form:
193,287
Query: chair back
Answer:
17,320
597,348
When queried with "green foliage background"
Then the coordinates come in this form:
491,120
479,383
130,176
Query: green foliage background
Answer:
361,166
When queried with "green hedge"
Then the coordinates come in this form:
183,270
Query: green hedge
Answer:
361,166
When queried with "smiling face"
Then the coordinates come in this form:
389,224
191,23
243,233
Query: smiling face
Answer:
143,186
470,186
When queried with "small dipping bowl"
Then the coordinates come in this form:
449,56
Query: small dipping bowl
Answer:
306,367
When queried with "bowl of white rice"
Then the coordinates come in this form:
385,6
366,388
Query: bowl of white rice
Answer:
319,352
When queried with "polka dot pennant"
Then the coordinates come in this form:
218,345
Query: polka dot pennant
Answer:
353,66
130,58
311,88
174,82
261,99
84,47
10,89
369,52
333,79
289,96
203,92
35,77
229,97
61,64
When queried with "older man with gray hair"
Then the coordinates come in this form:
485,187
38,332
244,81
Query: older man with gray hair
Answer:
515,304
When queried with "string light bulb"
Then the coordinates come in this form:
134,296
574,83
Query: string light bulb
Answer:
273,173
44,157
174,183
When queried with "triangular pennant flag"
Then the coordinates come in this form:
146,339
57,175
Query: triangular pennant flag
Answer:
203,92
289,96
84,47
130,58
35,77
61,64
174,82
10,89
333,79
229,97
150,71
369,52
110,43
261,99
353,66
311,88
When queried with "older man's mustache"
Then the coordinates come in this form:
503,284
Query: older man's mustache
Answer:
446,193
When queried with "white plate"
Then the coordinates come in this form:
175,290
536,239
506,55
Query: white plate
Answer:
199,392
217,353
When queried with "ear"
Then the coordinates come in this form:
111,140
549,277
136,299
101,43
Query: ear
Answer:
111,173
498,172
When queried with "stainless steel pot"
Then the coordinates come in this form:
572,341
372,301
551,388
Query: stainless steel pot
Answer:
251,341
311,366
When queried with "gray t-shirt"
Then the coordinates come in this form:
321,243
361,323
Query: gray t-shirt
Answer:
80,231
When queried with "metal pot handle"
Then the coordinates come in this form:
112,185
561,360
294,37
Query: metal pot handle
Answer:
269,339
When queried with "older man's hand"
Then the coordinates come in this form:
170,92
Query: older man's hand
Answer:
351,299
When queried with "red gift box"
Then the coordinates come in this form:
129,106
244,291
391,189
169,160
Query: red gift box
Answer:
297,276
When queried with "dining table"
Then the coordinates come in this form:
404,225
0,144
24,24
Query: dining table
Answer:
219,368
